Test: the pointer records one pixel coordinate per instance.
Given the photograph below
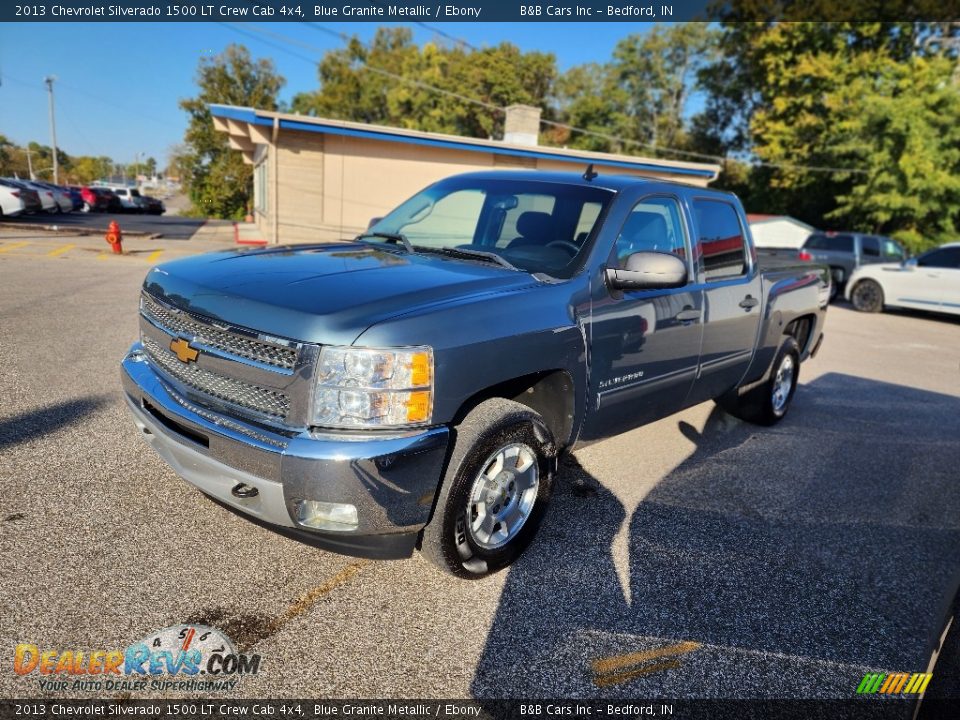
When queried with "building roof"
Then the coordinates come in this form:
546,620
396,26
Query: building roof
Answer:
286,121
756,218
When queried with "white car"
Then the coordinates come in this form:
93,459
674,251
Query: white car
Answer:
60,196
10,202
130,198
47,199
927,282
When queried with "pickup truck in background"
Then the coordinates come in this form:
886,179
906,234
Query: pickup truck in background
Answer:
414,388
845,252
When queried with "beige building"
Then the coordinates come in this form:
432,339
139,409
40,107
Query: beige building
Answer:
318,180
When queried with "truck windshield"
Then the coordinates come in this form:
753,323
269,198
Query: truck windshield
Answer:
536,226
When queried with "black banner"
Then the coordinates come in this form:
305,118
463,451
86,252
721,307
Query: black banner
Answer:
857,708
383,11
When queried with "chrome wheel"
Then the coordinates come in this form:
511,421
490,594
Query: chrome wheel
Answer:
783,384
503,495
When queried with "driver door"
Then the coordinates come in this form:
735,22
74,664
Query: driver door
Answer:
645,344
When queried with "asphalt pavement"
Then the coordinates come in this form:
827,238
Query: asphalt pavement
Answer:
171,227
694,557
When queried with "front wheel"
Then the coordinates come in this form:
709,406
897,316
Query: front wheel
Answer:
495,491
867,296
768,403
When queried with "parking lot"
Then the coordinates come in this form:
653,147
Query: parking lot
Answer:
171,227
694,557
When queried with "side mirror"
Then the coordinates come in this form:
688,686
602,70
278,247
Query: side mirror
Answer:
648,271
910,264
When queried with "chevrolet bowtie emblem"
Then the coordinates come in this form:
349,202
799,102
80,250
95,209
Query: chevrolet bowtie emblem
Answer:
181,348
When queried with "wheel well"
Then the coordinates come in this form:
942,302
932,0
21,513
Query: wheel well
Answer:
549,393
800,329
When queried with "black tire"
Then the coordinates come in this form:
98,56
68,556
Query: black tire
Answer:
448,540
760,405
867,296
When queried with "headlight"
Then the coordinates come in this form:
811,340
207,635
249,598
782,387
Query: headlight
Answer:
373,387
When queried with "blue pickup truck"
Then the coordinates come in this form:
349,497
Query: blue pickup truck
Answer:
414,388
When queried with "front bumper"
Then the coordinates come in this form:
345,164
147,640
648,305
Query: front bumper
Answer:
390,478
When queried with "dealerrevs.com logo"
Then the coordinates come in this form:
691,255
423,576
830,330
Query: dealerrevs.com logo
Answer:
190,658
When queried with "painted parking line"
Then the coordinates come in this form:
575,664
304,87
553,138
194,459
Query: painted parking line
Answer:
616,669
12,246
61,250
152,257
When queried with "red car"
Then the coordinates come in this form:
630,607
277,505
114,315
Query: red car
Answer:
93,200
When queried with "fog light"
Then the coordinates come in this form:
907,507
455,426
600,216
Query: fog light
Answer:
326,516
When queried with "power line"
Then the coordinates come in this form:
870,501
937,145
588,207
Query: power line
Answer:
448,36
343,37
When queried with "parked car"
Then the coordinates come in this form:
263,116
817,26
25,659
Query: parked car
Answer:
93,200
60,195
845,252
930,281
47,201
154,206
11,204
416,388
76,195
113,203
130,199
29,196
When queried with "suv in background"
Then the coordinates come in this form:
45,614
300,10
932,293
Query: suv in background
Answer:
845,252
130,199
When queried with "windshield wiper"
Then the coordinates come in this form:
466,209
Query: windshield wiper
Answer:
469,253
391,237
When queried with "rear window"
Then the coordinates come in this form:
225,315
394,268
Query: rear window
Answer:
830,243
720,241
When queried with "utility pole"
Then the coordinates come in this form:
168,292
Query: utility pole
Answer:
30,164
53,130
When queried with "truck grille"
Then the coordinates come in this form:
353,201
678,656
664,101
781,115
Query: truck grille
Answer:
179,323
273,403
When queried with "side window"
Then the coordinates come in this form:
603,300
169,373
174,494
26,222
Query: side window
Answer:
451,221
892,250
942,258
720,243
871,246
653,225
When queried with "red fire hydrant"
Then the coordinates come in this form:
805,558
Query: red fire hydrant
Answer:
115,237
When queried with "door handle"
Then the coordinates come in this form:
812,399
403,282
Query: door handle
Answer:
688,314
749,302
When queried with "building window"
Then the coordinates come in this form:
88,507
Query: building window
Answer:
260,193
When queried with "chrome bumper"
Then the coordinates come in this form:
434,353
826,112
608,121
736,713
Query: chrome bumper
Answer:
390,479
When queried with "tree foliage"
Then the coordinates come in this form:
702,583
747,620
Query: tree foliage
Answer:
218,182
386,83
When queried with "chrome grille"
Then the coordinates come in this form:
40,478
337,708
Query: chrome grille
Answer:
268,402
182,324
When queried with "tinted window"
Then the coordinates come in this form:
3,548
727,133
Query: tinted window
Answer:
653,226
942,258
892,250
720,242
831,243
870,246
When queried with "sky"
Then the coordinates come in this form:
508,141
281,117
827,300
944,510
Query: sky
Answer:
117,84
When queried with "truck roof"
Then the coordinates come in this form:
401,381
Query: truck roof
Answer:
608,181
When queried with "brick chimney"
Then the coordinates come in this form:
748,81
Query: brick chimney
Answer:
522,126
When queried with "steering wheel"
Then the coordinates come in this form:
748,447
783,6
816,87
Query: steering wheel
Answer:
566,245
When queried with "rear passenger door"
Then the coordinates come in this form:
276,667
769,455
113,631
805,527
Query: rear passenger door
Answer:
732,297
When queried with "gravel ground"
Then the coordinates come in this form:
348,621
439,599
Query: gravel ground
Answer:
746,562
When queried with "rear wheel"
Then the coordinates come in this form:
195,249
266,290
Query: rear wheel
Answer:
867,296
495,491
768,403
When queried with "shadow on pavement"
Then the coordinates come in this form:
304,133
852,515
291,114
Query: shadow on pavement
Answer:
790,561
172,227
43,421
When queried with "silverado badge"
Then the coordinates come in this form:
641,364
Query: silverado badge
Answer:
181,348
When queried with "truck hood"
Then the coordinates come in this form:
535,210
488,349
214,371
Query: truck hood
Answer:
321,293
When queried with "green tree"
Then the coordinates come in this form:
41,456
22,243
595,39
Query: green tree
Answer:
641,94
218,182
391,81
